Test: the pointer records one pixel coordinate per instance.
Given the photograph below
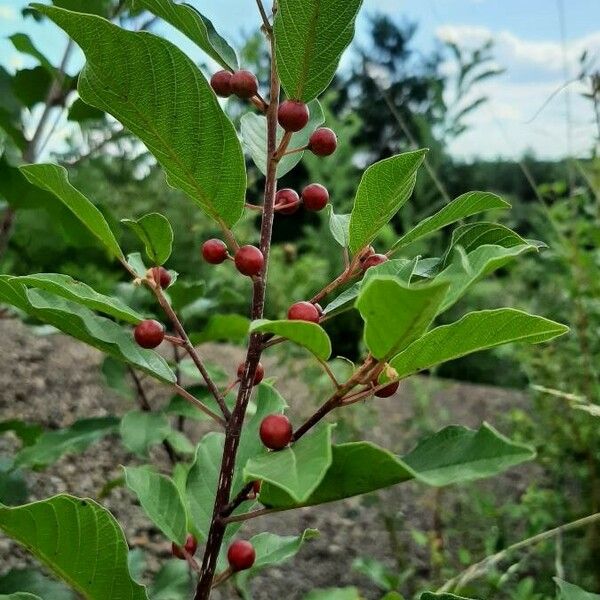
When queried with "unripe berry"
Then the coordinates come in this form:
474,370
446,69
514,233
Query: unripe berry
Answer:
214,251
388,390
315,196
258,375
276,432
322,142
161,277
292,115
244,84
287,201
241,555
373,261
304,311
149,333
249,260
221,83
191,545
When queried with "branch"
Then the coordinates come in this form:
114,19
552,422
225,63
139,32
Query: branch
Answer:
199,405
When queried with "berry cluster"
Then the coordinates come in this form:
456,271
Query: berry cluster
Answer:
242,83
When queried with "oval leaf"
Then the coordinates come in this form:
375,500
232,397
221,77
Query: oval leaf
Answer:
79,541
161,501
156,233
196,27
54,179
474,332
308,335
140,430
161,96
383,189
310,37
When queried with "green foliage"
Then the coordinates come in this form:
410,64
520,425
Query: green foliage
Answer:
67,534
310,37
569,591
115,80
141,430
156,233
33,582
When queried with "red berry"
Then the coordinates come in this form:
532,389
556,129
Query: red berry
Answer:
221,83
292,115
244,84
374,260
214,251
149,333
322,142
388,390
241,555
315,196
258,375
276,432
249,260
162,277
191,545
304,311
256,486
287,201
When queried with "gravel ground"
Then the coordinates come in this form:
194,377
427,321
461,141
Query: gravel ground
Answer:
55,380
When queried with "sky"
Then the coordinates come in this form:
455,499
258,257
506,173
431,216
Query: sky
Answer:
528,36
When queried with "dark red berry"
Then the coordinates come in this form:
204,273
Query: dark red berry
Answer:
249,260
214,251
388,390
149,333
221,83
368,251
322,142
315,196
241,555
292,115
256,486
304,311
287,201
374,260
244,84
162,277
258,375
191,545
276,432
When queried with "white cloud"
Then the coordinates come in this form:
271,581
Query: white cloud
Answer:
8,13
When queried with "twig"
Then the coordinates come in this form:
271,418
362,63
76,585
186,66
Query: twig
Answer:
265,19
199,405
251,515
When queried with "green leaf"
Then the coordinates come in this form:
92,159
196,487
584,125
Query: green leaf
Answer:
19,596
156,233
80,112
223,328
379,573
172,582
254,134
347,593
28,433
84,325
396,315
52,445
339,225
453,455
569,591
464,206
177,116
54,179
474,332
102,8
202,481
196,27
79,541
22,43
80,293
32,581
445,596
457,454
272,550
400,268
117,377
180,442
465,270
140,430
13,487
310,37
308,335
161,501
383,190
268,402
298,469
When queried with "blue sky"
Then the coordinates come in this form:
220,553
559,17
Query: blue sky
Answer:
528,45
